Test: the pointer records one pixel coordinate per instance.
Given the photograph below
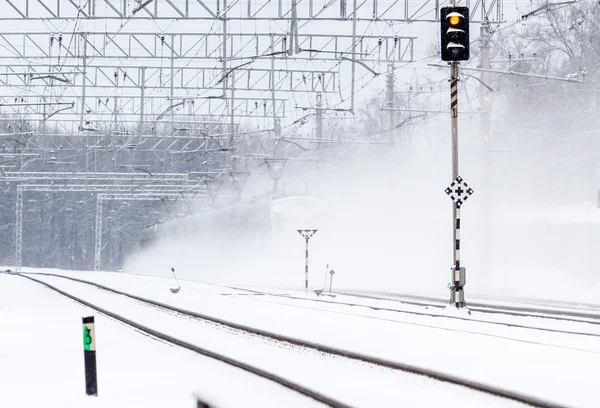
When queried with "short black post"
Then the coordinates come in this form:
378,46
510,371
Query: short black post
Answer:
89,355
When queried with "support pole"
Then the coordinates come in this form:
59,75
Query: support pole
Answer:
232,141
294,43
19,229
224,46
142,96
454,116
98,235
353,56
319,123
84,61
82,112
172,95
456,288
306,269
116,100
276,121
389,96
485,98
306,234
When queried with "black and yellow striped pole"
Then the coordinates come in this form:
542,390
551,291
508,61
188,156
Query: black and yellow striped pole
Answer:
89,356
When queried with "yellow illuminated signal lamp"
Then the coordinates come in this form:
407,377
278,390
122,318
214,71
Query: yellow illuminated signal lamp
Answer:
454,30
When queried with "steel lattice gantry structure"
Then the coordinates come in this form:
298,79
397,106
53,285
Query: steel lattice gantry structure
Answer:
164,70
121,197
426,10
142,187
130,74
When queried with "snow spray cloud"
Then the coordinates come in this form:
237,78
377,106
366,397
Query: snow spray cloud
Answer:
389,224
388,227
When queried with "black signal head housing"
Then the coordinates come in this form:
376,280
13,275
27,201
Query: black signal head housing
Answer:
454,29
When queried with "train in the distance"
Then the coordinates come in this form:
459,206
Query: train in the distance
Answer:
261,215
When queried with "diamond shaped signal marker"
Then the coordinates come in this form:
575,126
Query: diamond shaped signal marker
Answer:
459,191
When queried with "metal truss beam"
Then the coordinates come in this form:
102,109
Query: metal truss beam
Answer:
130,108
194,47
115,188
145,197
334,10
186,78
15,176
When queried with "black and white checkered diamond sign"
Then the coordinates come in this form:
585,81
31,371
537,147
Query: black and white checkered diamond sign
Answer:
459,191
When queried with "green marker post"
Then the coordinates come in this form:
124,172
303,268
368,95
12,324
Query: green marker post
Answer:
89,356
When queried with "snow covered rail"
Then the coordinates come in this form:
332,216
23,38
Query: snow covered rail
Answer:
162,336
327,350
548,312
427,302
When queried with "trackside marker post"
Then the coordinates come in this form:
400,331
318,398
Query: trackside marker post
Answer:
89,356
306,234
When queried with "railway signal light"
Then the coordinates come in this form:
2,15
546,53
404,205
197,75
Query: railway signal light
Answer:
455,33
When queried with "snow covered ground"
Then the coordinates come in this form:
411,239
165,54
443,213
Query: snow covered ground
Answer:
552,366
41,362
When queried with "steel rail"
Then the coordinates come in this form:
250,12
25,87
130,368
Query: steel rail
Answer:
554,314
437,375
417,313
220,357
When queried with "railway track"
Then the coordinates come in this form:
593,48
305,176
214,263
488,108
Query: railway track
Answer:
327,350
426,301
549,311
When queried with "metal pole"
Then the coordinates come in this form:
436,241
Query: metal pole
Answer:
172,94
353,56
319,122
306,270
224,18
485,98
232,112
272,86
390,100
306,234
142,96
19,229
116,104
82,113
98,235
294,44
457,293
116,110
84,59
